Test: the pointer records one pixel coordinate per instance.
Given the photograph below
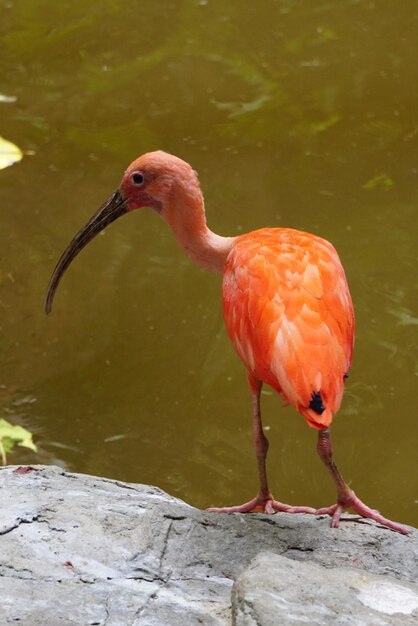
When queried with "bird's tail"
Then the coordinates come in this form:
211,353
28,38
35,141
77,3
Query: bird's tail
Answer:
315,419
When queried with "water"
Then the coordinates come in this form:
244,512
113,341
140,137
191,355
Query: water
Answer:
294,114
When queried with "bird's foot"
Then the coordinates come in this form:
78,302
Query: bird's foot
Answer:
351,501
265,504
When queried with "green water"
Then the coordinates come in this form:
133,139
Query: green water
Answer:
295,113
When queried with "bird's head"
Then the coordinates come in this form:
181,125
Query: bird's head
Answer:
150,181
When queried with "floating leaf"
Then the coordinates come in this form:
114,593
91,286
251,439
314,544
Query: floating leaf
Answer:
380,181
9,153
7,99
11,435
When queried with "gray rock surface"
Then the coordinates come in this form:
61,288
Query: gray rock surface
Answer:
79,550
275,590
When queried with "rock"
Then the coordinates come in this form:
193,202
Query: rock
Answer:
79,550
275,590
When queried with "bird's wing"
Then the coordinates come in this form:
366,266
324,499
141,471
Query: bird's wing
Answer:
289,315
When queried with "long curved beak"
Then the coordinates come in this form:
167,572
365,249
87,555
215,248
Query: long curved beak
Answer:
113,208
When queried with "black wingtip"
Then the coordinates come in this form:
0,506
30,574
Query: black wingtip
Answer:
316,403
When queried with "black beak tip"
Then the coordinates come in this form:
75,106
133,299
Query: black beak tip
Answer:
113,208
48,301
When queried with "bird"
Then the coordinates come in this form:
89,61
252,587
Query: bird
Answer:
287,310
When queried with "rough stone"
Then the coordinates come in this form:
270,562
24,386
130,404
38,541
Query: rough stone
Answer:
79,550
275,590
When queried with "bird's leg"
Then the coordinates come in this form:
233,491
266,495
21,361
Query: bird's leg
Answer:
261,446
264,500
346,498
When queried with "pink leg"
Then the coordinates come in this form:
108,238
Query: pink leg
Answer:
263,501
346,498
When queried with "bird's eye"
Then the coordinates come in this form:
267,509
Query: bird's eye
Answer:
137,178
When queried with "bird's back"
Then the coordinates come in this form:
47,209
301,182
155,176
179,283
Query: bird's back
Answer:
289,315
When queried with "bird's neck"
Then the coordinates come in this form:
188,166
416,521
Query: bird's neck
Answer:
185,215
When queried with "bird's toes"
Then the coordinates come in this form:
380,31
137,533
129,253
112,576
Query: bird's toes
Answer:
336,516
327,510
268,508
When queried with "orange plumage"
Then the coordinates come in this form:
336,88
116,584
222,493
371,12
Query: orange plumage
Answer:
289,315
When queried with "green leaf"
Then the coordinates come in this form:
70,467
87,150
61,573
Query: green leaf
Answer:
8,444
9,153
10,435
28,443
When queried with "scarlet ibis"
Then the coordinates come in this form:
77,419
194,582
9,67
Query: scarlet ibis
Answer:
286,304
